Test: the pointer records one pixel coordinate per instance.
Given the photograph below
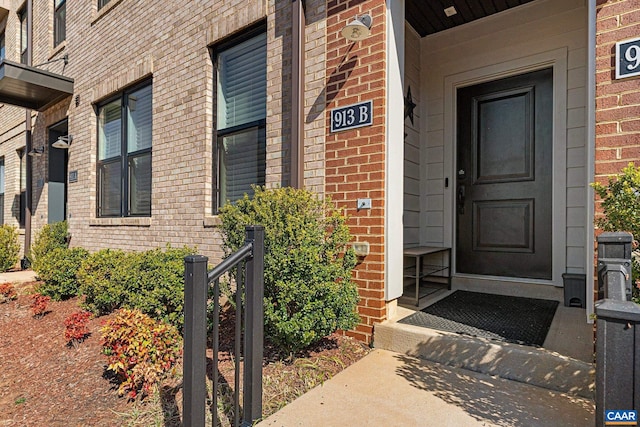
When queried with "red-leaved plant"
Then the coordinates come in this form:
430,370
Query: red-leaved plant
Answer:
39,305
7,292
141,351
76,327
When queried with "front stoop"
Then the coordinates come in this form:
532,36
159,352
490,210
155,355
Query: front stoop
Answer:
536,366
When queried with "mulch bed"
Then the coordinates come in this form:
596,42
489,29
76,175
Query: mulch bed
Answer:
45,382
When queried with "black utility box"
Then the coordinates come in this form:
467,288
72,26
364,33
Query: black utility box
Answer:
575,290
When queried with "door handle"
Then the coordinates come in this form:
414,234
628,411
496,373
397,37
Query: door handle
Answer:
460,198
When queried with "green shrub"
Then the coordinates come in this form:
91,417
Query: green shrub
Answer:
58,269
140,350
309,292
103,278
9,247
159,284
51,236
621,208
151,281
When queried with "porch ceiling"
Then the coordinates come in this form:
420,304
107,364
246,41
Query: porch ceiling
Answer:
428,17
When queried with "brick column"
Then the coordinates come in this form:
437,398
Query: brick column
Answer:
355,159
617,101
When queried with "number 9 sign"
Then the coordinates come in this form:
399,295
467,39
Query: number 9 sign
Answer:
628,58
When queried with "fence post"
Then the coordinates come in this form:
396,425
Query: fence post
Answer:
254,327
614,265
195,340
617,329
617,358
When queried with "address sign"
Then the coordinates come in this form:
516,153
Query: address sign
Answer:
352,116
628,58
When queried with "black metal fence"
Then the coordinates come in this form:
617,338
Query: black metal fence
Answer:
249,261
618,329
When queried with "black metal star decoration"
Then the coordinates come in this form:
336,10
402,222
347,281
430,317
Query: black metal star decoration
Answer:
409,105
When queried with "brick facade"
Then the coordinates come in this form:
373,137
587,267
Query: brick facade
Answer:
127,42
113,48
617,101
355,159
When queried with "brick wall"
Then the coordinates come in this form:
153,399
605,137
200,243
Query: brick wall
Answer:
617,101
113,48
355,159
127,41
12,130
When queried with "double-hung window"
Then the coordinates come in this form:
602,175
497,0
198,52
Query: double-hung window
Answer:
102,3
124,154
24,35
59,21
240,119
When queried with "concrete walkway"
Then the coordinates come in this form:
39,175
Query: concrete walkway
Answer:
18,276
392,389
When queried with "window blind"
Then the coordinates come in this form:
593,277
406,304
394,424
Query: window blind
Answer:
242,83
243,159
139,120
109,189
140,185
110,131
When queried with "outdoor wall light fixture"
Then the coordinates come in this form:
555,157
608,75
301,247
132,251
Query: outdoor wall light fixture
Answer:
63,142
359,28
36,152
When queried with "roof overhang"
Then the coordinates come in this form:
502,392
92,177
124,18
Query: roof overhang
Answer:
4,9
31,87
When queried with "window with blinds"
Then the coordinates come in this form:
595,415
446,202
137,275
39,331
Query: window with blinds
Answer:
241,113
124,154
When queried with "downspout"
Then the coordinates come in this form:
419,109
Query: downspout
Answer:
28,146
591,153
298,24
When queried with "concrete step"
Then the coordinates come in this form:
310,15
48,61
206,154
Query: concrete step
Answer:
530,365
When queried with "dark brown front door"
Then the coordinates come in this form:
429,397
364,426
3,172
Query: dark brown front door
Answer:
504,177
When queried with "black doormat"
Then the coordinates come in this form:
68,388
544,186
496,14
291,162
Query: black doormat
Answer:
500,317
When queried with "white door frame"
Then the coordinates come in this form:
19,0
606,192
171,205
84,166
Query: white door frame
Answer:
557,59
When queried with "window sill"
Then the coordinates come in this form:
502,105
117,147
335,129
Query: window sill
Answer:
120,222
57,49
211,221
97,14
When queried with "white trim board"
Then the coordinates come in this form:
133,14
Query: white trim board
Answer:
394,172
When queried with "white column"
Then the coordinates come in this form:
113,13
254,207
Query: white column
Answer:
394,173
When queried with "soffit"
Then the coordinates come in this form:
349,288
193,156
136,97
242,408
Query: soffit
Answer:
31,87
428,17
